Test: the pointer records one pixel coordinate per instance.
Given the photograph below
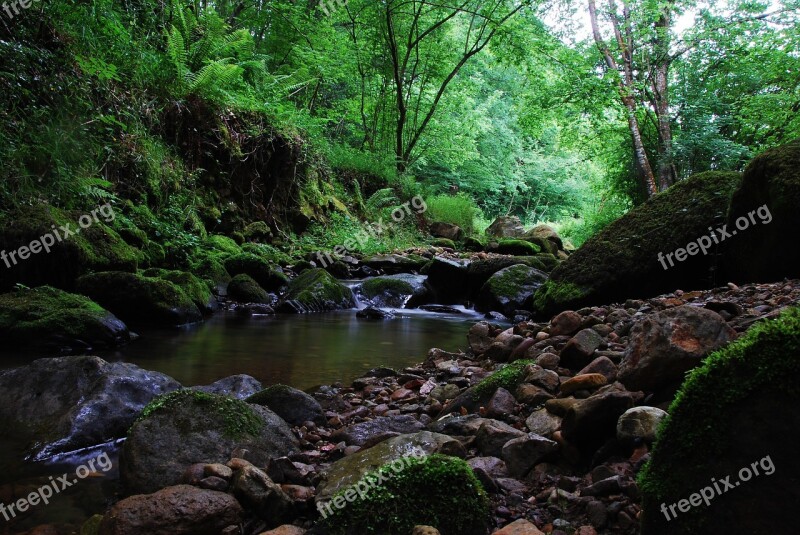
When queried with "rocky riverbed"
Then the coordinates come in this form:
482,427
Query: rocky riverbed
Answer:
554,419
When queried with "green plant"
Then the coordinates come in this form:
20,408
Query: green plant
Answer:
458,209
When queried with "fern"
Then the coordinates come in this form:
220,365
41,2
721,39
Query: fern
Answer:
381,199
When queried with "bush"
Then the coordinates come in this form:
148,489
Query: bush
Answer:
458,210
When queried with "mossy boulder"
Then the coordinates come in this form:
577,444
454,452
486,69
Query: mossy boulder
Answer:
766,208
507,290
516,248
438,491
194,288
315,290
244,289
508,377
443,242
222,244
395,291
622,261
52,320
94,248
187,426
213,273
257,232
732,416
267,275
139,300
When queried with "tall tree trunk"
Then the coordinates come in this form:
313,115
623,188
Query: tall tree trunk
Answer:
663,62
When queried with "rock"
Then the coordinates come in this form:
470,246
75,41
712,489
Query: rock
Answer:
444,392
537,375
179,509
138,300
622,261
515,248
597,514
543,423
492,466
640,422
665,345
425,530
545,232
244,289
51,320
519,527
69,403
589,381
372,313
548,361
286,529
560,407
770,188
506,227
507,290
580,349
480,338
602,365
235,386
348,471
457,425
501,404
258,493
292,405
446,230
731,419
380,428
523,453
267,276
448,280
566,323
394,263
395,291
532,395
589,422
187,427
96,248
492,435
194,288
315,290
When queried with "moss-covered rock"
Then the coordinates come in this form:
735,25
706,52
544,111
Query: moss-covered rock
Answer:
507,290
222,244
622,261
516,248
139,300
265,274
257,232
187,427
212,271
730,416
766,207
74,251
315,290
395,291
244,289
443,242
194,288
508,377
50,319
437,491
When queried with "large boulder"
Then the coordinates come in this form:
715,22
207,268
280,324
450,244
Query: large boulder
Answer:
68,403
732,428
177,510
381,428
236,386
765,207
73,252
627,259
293,405
506,227
395,291
188,427
244,289
447,230
52,320
267,275
666,345
315,290
448,279
507,290
138,300
194,288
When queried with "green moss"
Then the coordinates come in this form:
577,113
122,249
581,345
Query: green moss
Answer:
265,274
222,244
268,253
507,282
508,377
564,293
518,248
438,491
316,290
211,271
257,232
238,417
244,289
380,285
192,286
444,242
764,360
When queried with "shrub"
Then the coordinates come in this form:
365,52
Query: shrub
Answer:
458,210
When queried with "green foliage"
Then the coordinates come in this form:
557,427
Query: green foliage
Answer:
458,210
509,377
438,491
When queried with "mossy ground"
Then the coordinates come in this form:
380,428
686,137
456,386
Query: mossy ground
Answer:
765,360
438,491
238,417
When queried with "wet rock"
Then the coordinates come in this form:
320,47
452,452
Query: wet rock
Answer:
315,290
179,509
543,423
522,453
382,427
665,345
640,422
448,279
292,405
501,404
68,403
244,289
492,435
566,324
508,289
372,313
235,386
547,379
480,337
580,349
256,491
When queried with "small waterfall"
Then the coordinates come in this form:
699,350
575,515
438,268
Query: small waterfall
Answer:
355,288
